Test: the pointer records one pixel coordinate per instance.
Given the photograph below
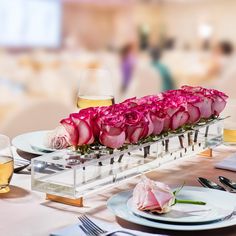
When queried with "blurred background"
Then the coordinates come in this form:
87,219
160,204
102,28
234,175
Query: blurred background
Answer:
148,46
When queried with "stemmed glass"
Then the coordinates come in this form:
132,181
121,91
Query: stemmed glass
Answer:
6,163
95,88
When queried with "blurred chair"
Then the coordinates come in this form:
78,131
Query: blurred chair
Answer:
38,115
146,81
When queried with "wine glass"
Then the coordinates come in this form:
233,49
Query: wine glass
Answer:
230,123
6,163
95,88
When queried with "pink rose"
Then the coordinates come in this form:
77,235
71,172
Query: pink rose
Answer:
219,101
71,129
179,119
58,138
112,133
205,104
83,123
149,195
136,126
158,118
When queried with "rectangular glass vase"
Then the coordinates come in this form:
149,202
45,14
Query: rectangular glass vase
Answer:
68,174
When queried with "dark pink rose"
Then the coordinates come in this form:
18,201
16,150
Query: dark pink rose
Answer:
219,101
137,126
179,119
158,118
71,128
112,132
84,127
205,104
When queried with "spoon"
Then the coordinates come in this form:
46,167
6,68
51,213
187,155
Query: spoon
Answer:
227,182
209,184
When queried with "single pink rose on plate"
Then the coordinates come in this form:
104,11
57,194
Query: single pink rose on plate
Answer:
58,138
149,195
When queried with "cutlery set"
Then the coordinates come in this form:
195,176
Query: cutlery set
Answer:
228,184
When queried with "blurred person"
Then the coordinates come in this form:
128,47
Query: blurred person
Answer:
128,61
221,57
167,80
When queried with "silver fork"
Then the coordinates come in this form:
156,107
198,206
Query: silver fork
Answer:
91,229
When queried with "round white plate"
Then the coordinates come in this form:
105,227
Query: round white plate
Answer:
32,142
118,205
189,213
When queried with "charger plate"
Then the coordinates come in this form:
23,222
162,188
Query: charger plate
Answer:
118,205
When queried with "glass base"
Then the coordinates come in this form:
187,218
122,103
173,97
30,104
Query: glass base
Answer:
4,189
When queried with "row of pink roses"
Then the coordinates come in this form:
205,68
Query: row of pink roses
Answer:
135,119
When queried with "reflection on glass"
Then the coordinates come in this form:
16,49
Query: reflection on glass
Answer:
6,164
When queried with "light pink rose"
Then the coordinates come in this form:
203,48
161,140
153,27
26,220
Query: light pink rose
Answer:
58,138
149,195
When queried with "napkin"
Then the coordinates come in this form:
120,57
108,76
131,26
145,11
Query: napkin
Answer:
74,230
228,163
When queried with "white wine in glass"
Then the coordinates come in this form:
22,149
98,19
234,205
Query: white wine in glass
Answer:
95,89
6,164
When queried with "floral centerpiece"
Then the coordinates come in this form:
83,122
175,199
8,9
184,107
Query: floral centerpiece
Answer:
137,119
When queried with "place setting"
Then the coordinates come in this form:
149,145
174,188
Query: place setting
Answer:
100,147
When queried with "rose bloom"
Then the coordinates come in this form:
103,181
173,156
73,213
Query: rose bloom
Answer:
58,138
136,125
112,133
72,130
149,195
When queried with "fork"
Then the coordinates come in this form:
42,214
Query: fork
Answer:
91,229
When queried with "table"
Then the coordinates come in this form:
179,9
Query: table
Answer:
26,213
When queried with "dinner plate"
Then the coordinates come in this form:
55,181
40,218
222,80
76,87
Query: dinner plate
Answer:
189,213
118,205
32,142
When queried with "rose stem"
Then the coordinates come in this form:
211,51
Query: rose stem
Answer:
167,145
120,158
195,136
190,141
146,151
181,140
206,133
99,163
189,202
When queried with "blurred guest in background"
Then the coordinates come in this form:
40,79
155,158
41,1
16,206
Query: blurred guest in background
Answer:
167,80
221,58
128,60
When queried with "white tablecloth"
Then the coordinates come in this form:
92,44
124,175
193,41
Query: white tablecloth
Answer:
26,213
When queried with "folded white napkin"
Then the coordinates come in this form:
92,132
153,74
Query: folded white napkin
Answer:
228,163
74,230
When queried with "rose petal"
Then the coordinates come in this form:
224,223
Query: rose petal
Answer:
178,119
112,141
194,113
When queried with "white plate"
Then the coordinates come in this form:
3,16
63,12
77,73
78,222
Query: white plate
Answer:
118,205
188,213
32,142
